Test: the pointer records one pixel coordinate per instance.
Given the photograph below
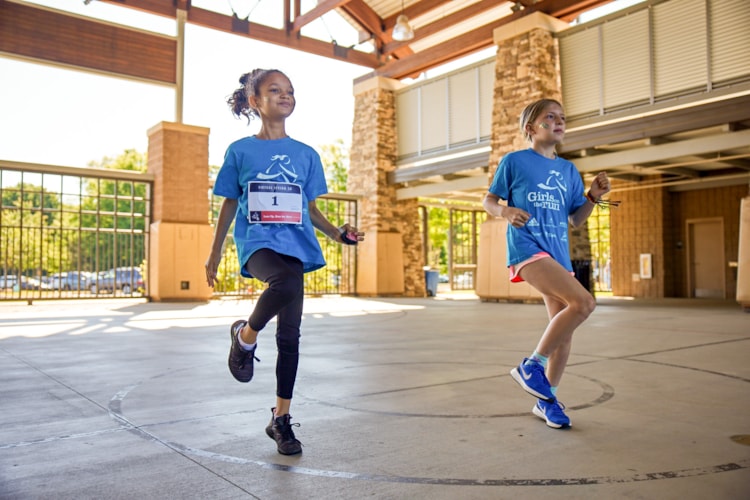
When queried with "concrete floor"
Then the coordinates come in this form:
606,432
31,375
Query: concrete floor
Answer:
397,398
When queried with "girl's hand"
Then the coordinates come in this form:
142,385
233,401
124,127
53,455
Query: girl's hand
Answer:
349,235
600,185
212,266
515,216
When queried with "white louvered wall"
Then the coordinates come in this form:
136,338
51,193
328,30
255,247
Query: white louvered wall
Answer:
652,52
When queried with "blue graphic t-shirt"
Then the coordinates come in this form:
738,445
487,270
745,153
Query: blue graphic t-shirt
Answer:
549,190
285,163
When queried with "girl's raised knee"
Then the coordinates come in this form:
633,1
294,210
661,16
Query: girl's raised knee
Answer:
585,305
589,305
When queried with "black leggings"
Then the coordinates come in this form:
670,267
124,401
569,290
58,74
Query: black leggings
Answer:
283,298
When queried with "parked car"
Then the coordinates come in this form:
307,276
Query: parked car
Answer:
125,279
30,284
7,282
71,280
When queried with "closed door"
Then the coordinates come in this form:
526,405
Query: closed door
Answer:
706,258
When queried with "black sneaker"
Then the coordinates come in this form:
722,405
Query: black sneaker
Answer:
240,361
280,430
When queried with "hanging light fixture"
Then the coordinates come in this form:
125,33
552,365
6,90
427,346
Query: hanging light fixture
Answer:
402,31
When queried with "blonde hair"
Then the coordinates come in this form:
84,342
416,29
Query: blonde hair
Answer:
532,112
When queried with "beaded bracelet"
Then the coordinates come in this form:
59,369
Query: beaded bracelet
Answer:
600,202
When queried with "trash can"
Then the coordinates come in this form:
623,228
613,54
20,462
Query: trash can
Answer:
582,270
431,281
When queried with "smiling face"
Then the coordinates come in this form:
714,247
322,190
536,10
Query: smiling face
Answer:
275,97
548,126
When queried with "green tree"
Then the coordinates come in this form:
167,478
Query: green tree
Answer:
113,211
335,159
214,203
130,159
438,224
28,211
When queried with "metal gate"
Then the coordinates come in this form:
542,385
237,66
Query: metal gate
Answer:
70,233
451,242
464,247
599,238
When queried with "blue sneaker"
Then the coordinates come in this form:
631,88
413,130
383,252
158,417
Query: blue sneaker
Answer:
530,375
552,413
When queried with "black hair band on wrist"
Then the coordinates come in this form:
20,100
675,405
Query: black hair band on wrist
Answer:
600,202
348,238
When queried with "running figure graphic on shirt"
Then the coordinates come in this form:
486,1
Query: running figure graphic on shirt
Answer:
281,168
551,196
546,198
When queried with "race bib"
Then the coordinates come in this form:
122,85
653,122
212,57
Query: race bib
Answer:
274,203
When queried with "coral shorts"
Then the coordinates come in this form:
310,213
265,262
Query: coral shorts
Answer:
515,269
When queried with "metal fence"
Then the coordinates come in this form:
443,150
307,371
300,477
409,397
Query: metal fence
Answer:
72,232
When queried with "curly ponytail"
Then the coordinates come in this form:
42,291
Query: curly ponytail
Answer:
249,83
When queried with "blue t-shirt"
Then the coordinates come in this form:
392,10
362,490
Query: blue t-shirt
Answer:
281,161
549,190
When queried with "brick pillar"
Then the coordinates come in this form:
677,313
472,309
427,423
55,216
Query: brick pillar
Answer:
180,234
390,259
527,68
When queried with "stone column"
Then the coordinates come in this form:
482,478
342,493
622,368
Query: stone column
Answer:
180,234
390,259
527,68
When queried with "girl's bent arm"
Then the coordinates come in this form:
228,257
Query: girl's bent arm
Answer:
515,216
579,216
599,187
492,206
320,222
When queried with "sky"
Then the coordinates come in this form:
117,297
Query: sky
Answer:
60,116
66,117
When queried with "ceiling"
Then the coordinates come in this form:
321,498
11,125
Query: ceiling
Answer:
445,30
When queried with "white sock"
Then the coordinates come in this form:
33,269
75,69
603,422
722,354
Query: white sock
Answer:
245,346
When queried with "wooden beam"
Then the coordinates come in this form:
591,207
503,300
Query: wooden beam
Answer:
421,8
434,56
367,18
441,24
568,10
263,33
315,13
287,15
475,40
260,32
158,7
56,37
